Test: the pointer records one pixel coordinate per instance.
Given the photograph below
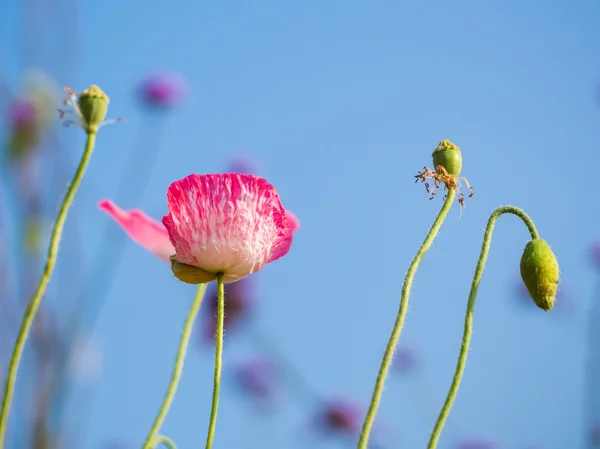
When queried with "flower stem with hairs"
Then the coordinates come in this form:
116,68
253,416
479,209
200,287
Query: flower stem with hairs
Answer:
36,300
397,329
218,360
468,326
153,437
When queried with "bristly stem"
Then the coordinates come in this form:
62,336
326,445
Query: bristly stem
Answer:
184,341
166,441
36,300
218,360
468,326
397,329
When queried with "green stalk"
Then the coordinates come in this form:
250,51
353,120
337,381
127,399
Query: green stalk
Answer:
218,361
152,437
397,329
468,326
36,300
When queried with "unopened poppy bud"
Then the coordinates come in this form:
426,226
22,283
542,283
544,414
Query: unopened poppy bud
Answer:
189,273
540,272
448,156
93,105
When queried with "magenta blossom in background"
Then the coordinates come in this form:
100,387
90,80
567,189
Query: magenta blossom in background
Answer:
165,89
223,223
242,164
477,443
594,435
258,378
340,417
23,114
405,359
595,254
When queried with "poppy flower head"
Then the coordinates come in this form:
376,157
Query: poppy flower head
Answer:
226,223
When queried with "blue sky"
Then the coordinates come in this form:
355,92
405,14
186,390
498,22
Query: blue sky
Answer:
342,103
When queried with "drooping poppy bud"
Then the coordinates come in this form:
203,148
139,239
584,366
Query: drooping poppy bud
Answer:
540,273
448,156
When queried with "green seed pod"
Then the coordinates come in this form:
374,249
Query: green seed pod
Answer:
93,105
540,272
448,156
190,274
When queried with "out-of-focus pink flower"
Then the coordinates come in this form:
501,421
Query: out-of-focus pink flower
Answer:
165,89
23,114
223,223
477,443
405,359
340,416
238,298
258,378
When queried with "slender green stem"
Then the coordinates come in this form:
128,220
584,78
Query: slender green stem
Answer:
218,361
177,369
166,441
397,329
468,326
36,300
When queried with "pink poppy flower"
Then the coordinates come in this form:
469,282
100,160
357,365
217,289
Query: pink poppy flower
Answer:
222,223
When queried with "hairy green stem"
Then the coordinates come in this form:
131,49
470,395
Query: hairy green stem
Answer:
177,369
468,326
218,361
397,329
36,300
166,441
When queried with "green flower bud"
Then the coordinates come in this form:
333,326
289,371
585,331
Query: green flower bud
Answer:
190,274
93,105
448,156
540,272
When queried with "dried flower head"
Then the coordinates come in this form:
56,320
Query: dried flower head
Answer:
447,162
86,110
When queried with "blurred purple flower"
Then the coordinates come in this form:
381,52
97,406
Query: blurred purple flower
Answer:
477,443
406,358
242,164
238,298
258,378
23,114
595,254
165,89
595,435
340,417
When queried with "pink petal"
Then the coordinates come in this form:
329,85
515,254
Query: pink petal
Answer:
292,220
230,223
142,229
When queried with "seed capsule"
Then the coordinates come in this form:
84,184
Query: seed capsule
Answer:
93,105
448,156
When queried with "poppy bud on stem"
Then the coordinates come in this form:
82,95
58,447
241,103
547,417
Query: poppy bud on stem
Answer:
445,152
93,108
539,269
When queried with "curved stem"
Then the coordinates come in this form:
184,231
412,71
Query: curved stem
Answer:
36,300
218,361
166,441
397,329
468,326
177,369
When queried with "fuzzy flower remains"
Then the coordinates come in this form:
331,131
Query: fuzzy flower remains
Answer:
86,110
221,223
447,163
